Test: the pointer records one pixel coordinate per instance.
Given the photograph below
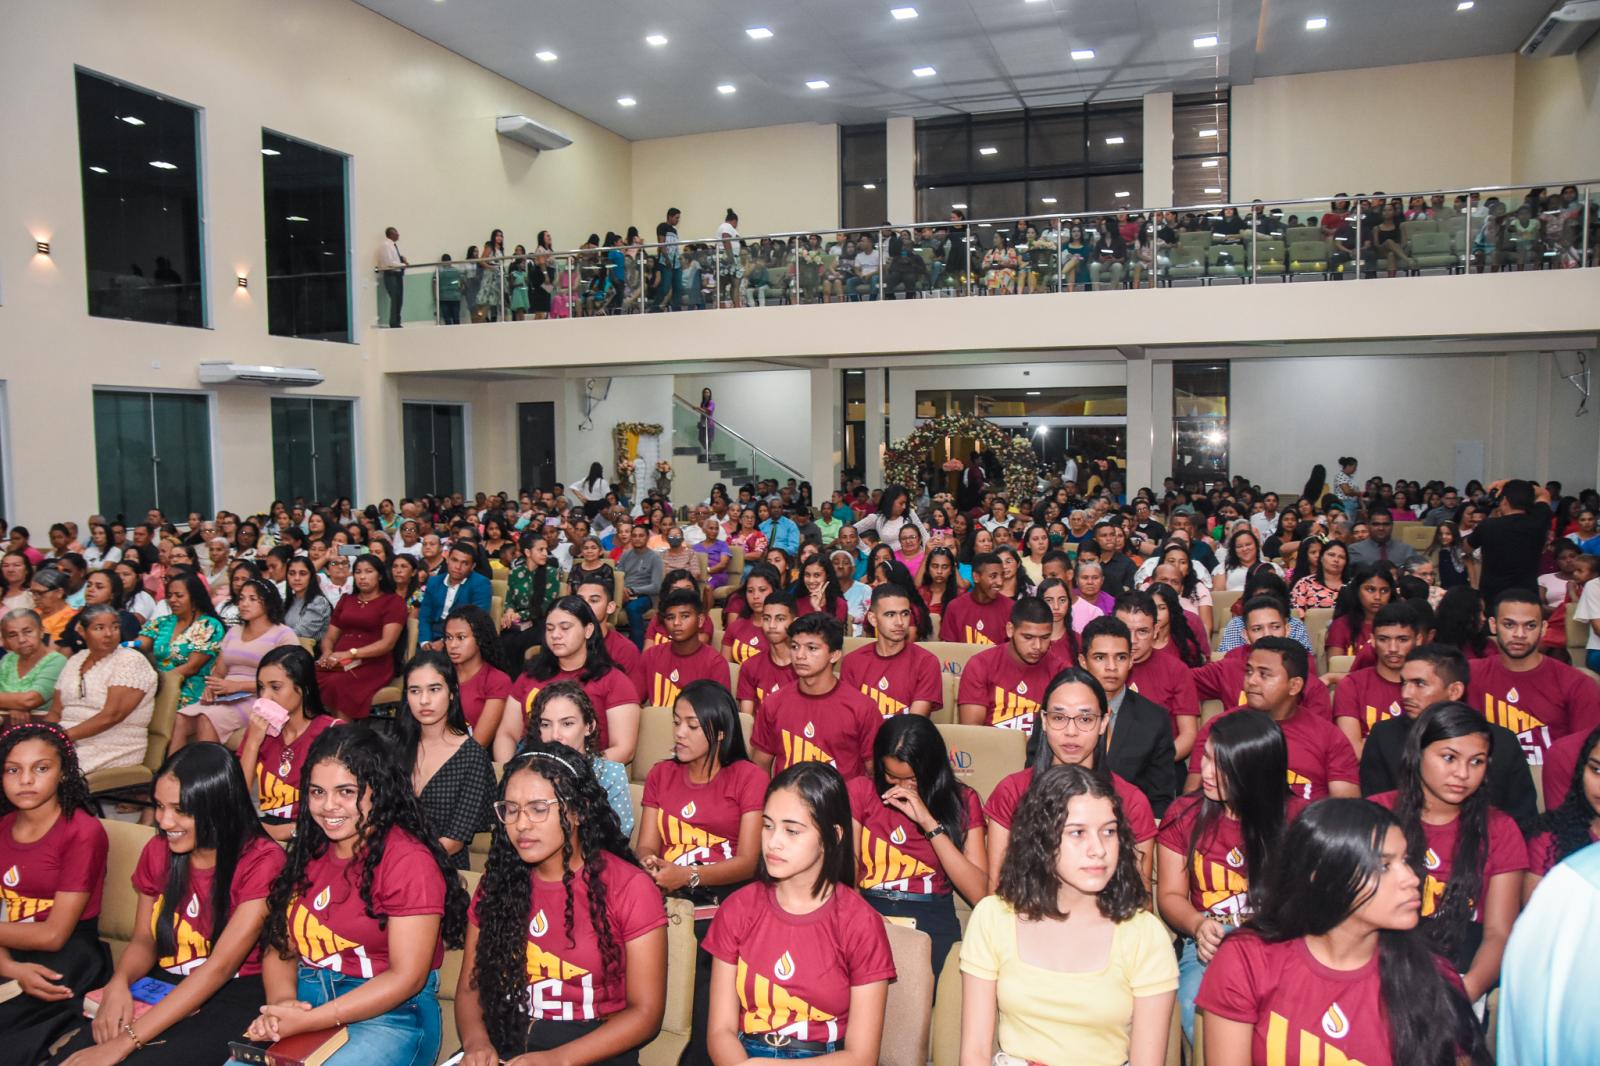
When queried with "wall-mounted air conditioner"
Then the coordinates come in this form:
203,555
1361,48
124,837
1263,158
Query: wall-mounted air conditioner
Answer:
292,377
535,135
1564,31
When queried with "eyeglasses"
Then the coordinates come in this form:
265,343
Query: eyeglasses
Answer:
536,810
1057,721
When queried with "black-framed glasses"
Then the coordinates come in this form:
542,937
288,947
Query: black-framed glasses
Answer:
537,811
1058,721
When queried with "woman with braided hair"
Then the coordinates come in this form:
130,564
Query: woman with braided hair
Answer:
52,871
566,946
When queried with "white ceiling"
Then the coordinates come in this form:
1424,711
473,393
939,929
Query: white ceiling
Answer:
990,55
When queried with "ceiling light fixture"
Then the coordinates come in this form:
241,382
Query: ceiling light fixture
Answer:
816,83
1114,140
988,149
903,13
924,72
1081,54
1208,41
726,90
1208,133
1209,163
1465,5
545,56
655,40
1213,191
869,186
162,164
131,120
270,151
98,170
1123,193
626,101
1047,199
296,218
958,207
758,33
1034,392
1318,23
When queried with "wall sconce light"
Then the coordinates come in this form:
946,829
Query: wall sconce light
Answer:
42,247
244,282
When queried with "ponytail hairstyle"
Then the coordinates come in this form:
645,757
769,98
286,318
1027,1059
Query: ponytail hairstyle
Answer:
1569,824
1028,878
596,662
1337,857
211,790
72,791
916,741
1183,639
1252,761
1446,721
505,896
382,775
718,715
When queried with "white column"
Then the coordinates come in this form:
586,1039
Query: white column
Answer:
901,145
825,432
1139,425
1160,423
877,407
1158,150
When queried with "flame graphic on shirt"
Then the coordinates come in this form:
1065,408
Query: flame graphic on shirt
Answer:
673,677
883,683
688,810
321,902
1235,858
978,625
11,878
1335,1024
811,731
1430,859
1511,696
783,970
539,926
898,836
192,911
1022,688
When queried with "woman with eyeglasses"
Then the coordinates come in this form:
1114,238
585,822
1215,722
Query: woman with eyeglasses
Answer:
566,943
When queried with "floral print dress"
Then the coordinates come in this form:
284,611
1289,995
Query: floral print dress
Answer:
171,649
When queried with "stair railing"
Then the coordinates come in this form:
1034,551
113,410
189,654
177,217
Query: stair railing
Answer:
703,443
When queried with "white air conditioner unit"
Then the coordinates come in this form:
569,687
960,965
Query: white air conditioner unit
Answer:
1564,31
535,135
284,377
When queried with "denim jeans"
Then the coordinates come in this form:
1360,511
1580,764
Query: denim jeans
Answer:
408,1035
1190,971
1592,660
635,609
760,1049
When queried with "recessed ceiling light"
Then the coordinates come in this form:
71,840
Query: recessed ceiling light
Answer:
1081,54
626,101
1033,1
1123,193
903,13
545,56
758,33
1465,5
1213,192
1047,199
161,164
1114,140
727,89
1208,41
924,72
1209,163
869,186
958,207
1318,23
816,83
132,120
1034,392
1208,133
98,170
988,149
270,151
655,40
296,218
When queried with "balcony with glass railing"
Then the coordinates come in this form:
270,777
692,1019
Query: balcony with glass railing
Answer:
1440,232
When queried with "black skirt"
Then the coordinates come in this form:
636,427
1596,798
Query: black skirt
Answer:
198,1040
29,1026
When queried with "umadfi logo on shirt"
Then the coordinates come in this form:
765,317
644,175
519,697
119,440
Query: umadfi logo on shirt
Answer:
192,911
539,926
883,684
800,749
190,950
898,836
1235,858
688,810
810,731
321,902
317,944
783,969
1334,1023
12,878
1430,859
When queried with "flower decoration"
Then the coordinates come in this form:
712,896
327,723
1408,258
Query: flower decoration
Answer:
903,460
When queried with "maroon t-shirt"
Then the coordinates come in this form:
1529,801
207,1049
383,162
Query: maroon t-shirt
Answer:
1224,680
897,682
1540,706
894,854
794,972
1003,801
70,857
1318,753
279,766
487,684
742,638
699,824
1167,681
760,677
1219,882
663,673
329,924
1345,639
803,606
1368,698
622,651
1506,852
611,689
838,728
1560,763
567,978
966,621
1007,689
656,633
193,926
1542,855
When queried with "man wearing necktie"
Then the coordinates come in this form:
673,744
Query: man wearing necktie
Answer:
393,265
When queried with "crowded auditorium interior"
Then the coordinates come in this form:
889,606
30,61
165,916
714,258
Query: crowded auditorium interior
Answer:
986,532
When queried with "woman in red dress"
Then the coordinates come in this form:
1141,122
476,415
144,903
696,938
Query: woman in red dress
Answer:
358,649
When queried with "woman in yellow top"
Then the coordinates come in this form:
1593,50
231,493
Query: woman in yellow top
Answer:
1064,963
49,588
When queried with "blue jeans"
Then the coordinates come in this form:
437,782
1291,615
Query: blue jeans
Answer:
636,608
408,1035
856,282
760,1049
1592,660
1190,971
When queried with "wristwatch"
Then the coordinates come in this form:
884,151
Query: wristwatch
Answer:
937,830
694,880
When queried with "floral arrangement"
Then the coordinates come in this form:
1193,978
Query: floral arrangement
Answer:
663,469
625,437
903,460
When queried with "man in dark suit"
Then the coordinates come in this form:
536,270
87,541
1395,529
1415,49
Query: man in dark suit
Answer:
1434,673
459,585
1139,738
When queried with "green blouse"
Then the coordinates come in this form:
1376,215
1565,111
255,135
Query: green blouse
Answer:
528,602
41,679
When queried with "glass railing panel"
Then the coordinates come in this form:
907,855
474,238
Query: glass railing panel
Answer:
418,296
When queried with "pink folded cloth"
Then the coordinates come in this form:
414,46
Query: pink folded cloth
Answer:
270,712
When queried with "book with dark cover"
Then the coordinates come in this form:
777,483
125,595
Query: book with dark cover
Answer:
306,1049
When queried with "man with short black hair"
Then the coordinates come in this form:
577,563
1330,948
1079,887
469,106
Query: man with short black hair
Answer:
458,586
893,671
817,719
1366,696
1002,686
771,668
1511,541
1139,737
665,669
1224,679
1379,547
1162,679
1117,567
981,615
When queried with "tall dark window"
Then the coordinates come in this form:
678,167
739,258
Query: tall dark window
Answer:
152,449
863,175
1200,422
1200,149
313,449
435,448
140,162
308,254
1021,164
854,386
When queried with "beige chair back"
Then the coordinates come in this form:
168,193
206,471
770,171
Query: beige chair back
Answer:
676,1019
119,904
852,643
909,1010
982,756
1222,611
953,657
655,741
636,796
449,976
1317,621
946,1027
163,717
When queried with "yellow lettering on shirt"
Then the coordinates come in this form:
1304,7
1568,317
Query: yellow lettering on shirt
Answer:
1375,714
313,940
190,949
888,706
1300,786
1011,711
741,651
799,749
1222,890
545,966
975,637
683,843
886,866
1312,1049
663,693
1432,894
20,908
278,797
767,1006
1509,715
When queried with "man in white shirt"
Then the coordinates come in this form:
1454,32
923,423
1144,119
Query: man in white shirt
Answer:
865,274
393,265
1265,521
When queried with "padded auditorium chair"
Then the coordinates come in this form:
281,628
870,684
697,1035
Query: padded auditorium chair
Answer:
981,755
139,776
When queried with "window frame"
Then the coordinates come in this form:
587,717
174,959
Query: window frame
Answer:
465,408
347,168
353,405
213,479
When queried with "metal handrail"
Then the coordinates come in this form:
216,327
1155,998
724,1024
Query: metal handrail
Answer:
741,438
1243,207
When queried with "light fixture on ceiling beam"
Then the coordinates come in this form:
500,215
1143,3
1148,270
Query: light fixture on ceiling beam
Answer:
544,55
1116,140
1081,54
626,101
902,13
1208,41
655,40
1316,23
727,90
758,33
988,149
923,72
816,83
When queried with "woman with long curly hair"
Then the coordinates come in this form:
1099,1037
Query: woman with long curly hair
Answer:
1472,855
1174,630
202,886
566,943
474,648
53,854
1330,965
1572,825
1064,958
359,918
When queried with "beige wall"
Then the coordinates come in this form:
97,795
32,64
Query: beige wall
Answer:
1418,126
778,178
1556,133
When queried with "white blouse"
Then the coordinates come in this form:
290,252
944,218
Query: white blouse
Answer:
82,696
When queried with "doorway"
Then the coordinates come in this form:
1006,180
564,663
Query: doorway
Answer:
536,443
